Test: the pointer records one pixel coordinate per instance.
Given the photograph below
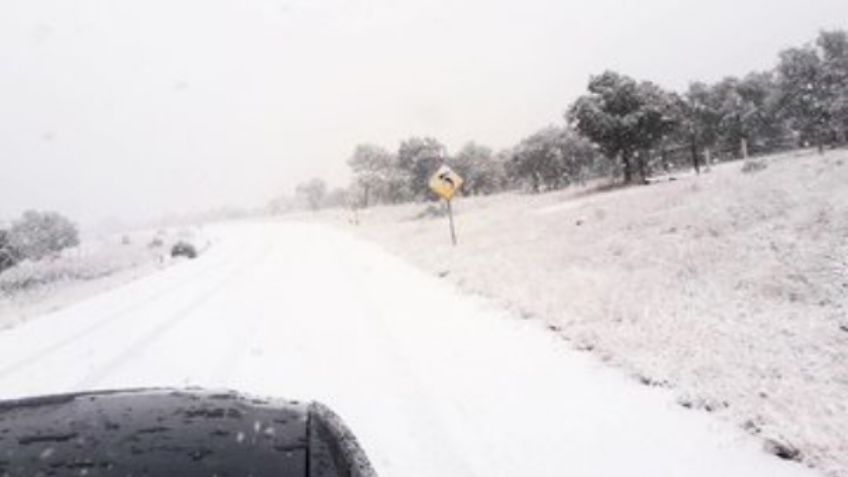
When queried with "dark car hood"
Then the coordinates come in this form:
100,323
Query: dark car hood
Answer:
174,432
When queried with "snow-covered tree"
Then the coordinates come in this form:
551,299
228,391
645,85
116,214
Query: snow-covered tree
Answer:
482,172
418,158
373,173
552,158
312,193
625,118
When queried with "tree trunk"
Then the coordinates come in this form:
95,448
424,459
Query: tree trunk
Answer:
743,146
643,170
628,173
693,144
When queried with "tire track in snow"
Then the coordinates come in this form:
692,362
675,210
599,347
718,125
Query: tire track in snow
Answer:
104,322
138,346
238,350
422,417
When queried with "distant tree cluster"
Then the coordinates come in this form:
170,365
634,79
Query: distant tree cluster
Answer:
313,195
623,128
801,102
36,235
384,177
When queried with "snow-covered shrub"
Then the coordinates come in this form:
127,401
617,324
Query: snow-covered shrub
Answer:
183,249
39,234
97,258
8,255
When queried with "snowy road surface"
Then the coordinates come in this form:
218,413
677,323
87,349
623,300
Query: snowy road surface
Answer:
434,383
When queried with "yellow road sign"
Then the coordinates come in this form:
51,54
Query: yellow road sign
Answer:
445,182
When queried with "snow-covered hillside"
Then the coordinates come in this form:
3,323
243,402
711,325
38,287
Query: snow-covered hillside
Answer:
731,288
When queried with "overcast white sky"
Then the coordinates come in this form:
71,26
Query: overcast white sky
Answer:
113,108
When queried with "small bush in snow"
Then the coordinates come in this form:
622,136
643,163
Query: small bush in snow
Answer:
783,450
183,249
753,165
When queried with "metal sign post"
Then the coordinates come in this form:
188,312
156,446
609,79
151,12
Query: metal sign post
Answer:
450,218
445,183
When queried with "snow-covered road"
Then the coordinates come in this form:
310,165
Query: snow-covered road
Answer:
434,383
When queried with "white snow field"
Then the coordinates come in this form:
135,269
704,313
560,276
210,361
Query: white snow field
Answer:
728,288
434,383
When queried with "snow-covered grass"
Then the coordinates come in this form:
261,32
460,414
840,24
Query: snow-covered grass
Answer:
101,262
729,287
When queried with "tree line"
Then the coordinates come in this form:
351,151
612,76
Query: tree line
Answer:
624,128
